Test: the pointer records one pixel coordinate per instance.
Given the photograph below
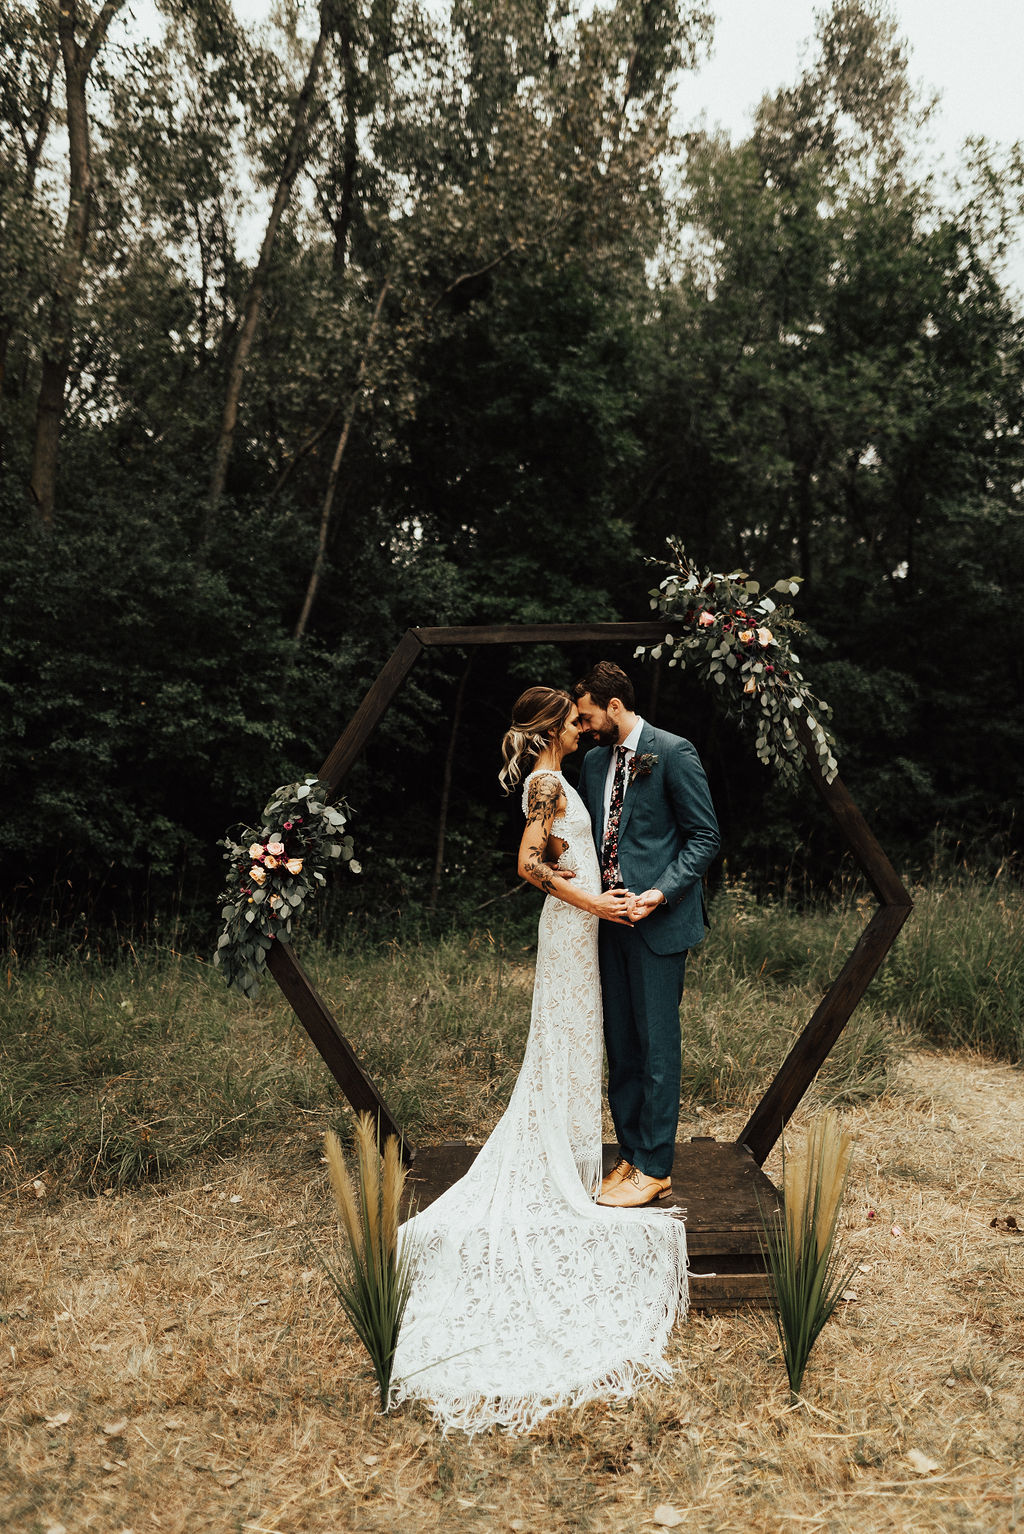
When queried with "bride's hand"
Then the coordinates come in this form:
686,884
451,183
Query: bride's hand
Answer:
613,905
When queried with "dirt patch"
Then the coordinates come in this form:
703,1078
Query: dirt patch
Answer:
173,1360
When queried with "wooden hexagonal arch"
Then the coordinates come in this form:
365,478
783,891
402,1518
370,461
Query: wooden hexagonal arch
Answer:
723,1182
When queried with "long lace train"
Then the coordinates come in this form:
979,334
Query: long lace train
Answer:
527,1295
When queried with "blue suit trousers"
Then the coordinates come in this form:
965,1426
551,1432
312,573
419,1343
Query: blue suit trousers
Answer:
641,992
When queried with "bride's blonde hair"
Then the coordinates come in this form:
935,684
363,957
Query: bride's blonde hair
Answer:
539,712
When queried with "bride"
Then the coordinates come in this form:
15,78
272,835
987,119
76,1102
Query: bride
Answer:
526,1294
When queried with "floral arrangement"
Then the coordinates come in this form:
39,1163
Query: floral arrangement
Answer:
643,765
738,639
273,872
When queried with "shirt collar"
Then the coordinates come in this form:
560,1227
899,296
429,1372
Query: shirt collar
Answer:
632,740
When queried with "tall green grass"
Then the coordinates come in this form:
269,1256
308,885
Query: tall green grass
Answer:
125,1069
955,975
119,1073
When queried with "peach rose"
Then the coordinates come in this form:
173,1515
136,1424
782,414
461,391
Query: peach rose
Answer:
751,685
746,636
706,619
269,862
257,874
276,848
765,637
294,865
256,850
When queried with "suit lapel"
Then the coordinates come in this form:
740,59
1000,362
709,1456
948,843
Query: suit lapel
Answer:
645,743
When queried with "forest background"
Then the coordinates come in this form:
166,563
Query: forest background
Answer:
503,329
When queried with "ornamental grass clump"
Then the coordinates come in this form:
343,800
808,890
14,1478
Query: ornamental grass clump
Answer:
374,1277
807,1271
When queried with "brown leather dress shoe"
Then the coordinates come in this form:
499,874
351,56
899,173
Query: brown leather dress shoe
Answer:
621,1169
635,1189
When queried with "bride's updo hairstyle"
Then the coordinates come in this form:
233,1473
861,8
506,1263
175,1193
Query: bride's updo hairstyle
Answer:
539,713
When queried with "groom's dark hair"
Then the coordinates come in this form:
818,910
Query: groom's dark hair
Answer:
604,682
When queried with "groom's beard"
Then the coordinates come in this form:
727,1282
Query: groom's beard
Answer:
606,737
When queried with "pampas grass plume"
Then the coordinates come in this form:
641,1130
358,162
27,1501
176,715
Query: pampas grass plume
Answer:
369,1176
373,1280
807,1272
341,1186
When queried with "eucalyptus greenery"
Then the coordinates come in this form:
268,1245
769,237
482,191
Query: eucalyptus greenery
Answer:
808,1273
273,872
737,639
374,1278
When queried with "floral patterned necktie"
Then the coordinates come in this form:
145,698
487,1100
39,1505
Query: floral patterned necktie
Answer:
611,878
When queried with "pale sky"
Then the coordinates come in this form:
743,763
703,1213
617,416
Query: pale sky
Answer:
972,54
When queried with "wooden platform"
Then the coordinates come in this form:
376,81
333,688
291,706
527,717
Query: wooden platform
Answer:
716,1183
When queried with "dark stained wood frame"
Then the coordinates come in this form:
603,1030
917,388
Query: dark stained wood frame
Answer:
810,1050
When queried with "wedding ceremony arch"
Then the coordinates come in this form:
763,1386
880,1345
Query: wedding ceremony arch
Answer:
721,1183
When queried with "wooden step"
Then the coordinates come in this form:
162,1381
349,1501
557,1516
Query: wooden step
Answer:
720,1191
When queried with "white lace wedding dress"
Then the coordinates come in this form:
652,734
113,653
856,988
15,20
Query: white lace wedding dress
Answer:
527,1295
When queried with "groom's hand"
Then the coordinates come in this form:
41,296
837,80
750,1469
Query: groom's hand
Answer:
644,904
552,871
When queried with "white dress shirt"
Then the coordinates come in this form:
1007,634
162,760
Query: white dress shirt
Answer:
631,742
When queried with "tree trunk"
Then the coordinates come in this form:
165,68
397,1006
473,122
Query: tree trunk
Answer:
316,574
258,285
350,151
56,359
6,331
446,788
33,150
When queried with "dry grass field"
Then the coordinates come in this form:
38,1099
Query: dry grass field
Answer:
172,1360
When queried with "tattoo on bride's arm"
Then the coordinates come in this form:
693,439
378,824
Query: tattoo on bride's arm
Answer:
540,873
541,804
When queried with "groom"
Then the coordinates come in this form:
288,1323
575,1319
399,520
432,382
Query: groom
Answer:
656,833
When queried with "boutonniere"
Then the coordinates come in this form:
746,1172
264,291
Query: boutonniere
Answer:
642,765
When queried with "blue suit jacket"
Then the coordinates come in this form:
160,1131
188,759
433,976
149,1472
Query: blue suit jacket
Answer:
668,834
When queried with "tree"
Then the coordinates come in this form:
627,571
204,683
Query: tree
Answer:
29,61
836,391
291,160
78,57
